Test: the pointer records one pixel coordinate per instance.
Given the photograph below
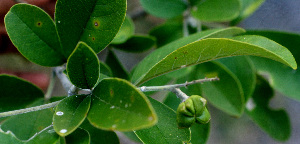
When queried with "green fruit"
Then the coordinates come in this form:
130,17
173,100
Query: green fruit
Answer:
192,110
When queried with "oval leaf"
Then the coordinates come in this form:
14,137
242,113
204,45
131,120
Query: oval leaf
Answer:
137,43
226,94
216,10
83,67
166,130
275,122
243,68
118,105
35,35
211,49
126,31
80,136
164,8
17,93
156,56
70,113
95,22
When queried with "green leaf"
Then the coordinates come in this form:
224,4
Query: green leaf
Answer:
243,68
216,10
166,130
17,93
9,138
226,94
164,8
210,49
116,66
155,57
95,22
35,35
70,113
118,105
46,136
167,32
200,133
247,8
83,67
137,43
99,136
126,31
24,126
275,122
80,136
283,79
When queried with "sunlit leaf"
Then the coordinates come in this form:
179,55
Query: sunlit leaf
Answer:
126,31
118,105
95,22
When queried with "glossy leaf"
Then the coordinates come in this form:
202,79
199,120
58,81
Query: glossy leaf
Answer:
79,136
137,43
275,122
17,93
247,8
166,130
83,67
99,136
155,57
243,68
126,31
216,10
70,113
226,94
35,35
210,49
116,66
118,105
9,138
165,8
283,79
46,136
95,22
24,126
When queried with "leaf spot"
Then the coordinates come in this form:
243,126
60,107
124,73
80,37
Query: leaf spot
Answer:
132,98
150,118
63,131
96,24
111,93
93,38
59,113
39,24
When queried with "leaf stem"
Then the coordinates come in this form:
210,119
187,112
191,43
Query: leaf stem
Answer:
171,87
31,109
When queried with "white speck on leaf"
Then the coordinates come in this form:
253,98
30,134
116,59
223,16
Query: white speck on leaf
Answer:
112,107
59,113
63,131
183,66
121,101
114,126
143,88
58,21
126,105
250,105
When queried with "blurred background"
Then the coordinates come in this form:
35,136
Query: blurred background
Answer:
283,15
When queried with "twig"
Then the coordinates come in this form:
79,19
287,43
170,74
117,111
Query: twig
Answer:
181,95
31,109
51,85
171,87
63,78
